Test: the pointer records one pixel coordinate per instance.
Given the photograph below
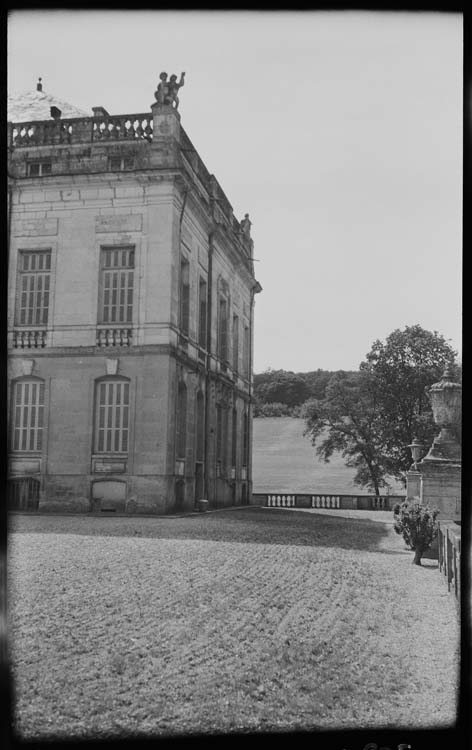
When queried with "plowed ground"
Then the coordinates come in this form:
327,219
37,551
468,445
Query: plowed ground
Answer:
238,620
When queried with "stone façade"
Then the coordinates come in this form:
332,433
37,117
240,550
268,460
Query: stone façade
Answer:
170,210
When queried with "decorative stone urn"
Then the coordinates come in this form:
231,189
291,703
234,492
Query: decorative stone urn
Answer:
446,402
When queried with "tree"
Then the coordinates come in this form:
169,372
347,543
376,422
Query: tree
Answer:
317,382
372,416
279,386
401,371
347,419
417,524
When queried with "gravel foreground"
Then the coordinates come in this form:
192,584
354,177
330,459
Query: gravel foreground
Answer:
240,620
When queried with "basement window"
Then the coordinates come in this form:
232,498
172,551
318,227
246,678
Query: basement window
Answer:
38,168
120,164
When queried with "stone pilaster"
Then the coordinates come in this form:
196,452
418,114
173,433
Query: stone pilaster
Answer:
413,484
441,468
441,487
165,149
166,121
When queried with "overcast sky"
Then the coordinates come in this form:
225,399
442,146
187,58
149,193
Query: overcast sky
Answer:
339,132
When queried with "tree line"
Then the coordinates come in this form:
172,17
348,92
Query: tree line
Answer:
370,415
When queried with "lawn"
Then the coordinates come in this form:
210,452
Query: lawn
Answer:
285,461
238,620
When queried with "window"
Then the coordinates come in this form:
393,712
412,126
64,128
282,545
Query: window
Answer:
235,343
219,441
221,437
28,415
234,438
38,168
246,343
245,420
181,424
184,296
202,316
200,451
116,287
34,281
112,416
120,164
223,329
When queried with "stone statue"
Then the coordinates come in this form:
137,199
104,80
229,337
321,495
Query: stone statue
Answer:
161,93
246,226
174,88
167,90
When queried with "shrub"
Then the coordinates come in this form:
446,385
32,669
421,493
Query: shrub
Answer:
417,524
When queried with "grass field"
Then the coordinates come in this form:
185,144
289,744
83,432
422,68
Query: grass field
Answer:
285,461
238,620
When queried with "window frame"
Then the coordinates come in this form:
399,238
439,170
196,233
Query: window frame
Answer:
129,271
245,436
199,427
184,296
27,380
24,273
234,438
122,160
235,342
246,350
40,164
181,422
104,381
223,326
202,312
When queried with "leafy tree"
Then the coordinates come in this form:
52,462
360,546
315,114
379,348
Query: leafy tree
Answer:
401,370
347,419
279,386
292,389
372,416
317,381
417,524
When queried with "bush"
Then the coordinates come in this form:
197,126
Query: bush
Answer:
417,525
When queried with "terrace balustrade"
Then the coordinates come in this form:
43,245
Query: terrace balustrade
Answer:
311,500
81,130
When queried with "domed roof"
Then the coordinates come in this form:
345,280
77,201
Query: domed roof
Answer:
36,105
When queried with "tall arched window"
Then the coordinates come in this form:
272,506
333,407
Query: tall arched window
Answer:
245,437
223,328
199,453
184,296
223,307
111,415
28,415
181,424
234,438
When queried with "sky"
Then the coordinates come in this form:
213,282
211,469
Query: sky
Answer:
339,132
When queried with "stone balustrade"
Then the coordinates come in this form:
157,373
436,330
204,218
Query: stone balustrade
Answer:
29,338
81,130
114,337
122,127
326,500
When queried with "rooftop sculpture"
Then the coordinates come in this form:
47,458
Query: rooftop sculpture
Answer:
167,90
